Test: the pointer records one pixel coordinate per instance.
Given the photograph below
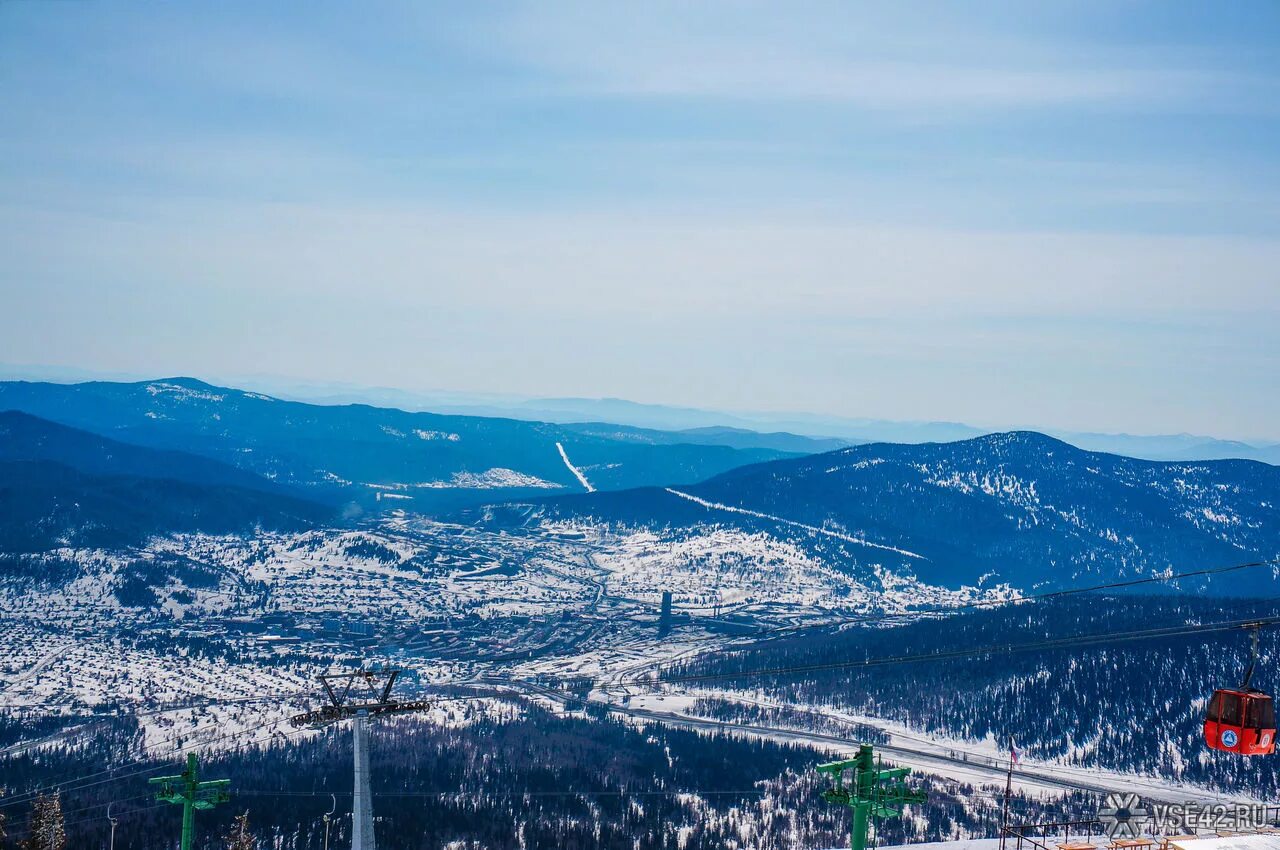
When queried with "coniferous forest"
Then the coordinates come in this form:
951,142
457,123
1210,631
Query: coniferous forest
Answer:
1131,705
537,781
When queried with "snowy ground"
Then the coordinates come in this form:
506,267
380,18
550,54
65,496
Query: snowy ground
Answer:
974,762
240,627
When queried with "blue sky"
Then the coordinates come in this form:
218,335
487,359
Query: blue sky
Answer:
1044,214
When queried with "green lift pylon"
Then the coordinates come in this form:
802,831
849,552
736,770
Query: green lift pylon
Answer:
871,792
188,791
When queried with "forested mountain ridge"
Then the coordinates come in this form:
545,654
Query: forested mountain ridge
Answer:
367,454
1130,705
63,487
1019,507
24,437
46,505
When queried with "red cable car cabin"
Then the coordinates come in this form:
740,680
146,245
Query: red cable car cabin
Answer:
1241,721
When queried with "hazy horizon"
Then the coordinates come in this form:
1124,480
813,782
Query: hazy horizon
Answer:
1067,217
463,402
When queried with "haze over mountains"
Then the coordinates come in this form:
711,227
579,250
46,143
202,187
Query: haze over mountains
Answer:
846,430
1020,508
830,431
365,454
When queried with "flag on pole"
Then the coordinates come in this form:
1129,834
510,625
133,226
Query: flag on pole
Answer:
1013,754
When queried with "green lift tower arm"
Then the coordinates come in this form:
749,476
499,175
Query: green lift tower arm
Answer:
870,792
188,791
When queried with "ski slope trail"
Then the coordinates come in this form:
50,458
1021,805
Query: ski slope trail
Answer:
848,538
582,479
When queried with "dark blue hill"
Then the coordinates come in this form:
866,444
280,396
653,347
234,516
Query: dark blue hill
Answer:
420,460
27,437
1018,507
46,505
60,486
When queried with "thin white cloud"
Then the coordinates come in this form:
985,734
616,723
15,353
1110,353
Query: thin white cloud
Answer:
842,53
702,203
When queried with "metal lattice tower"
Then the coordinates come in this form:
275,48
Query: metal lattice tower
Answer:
872,792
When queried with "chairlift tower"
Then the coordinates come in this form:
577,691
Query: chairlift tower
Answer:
373,699
871,792
190,792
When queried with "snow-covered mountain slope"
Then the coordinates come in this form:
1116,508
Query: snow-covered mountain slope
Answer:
370,454
1020,507
418,588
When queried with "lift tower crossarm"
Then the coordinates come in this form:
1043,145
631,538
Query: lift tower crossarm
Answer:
872,792
188,791
348,700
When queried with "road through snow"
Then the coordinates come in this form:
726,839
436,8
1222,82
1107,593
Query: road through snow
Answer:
930,757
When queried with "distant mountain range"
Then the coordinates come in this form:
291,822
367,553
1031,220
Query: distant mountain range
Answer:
718,435
63,487
832,429
366,454
1020,507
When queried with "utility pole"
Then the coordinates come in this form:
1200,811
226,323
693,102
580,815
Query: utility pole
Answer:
1008,790
189,792
112,821
871,793
327,816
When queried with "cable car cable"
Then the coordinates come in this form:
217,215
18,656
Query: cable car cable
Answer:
989,602
79,783
995,650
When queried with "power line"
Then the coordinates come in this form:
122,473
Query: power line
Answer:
79,783
120,712
463,791
999,649
25,823
117,814
962,799
171,739
991,602
76,783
